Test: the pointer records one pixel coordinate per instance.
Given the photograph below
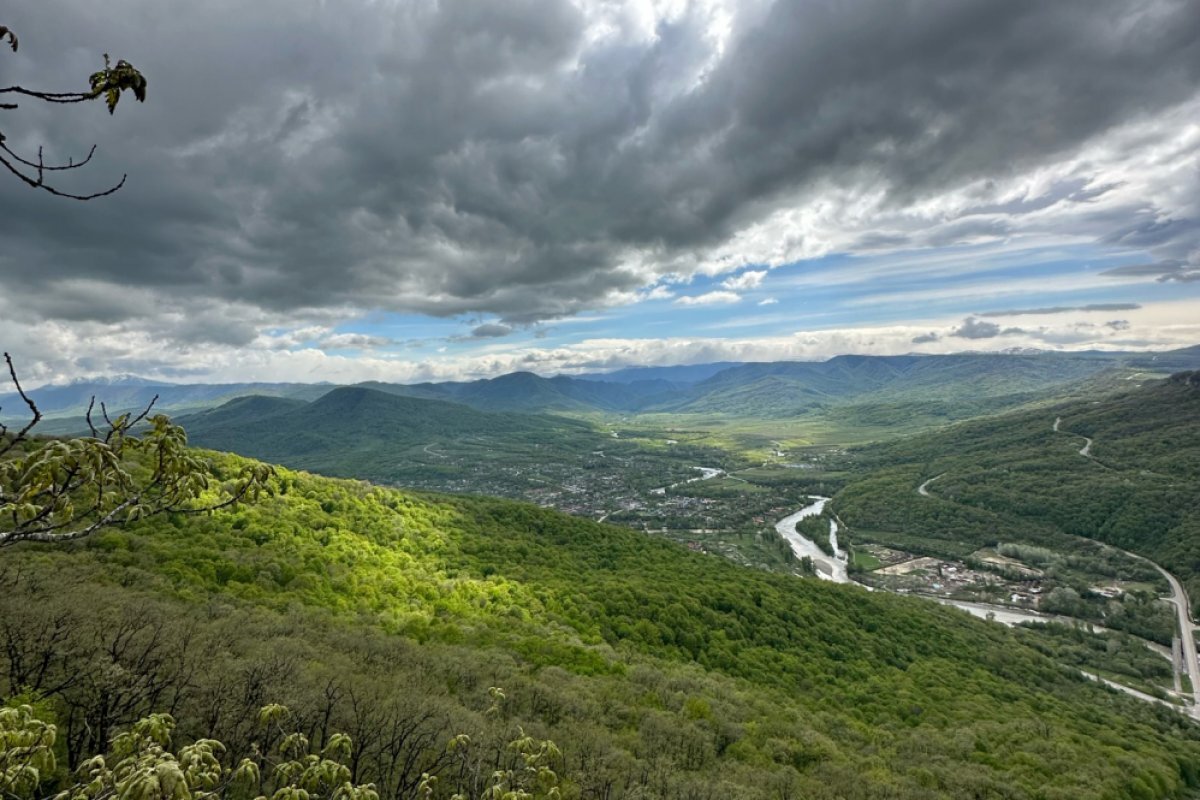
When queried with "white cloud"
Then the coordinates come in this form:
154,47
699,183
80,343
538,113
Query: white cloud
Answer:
770,301
658,293
750,279
709,299
56,352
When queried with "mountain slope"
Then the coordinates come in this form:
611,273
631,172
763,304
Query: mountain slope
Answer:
790,388
349,428
658,671
527,392
679,375
249,410
1016,478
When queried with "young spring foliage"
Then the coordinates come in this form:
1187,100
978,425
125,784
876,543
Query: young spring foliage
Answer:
657,671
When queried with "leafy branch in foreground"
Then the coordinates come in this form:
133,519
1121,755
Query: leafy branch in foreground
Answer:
109,83
64,489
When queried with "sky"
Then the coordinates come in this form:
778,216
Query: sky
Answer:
436,190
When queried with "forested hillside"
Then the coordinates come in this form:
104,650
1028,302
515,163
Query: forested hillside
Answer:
354,431
1136,485
659,672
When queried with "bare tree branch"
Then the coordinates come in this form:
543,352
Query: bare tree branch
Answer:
40,164
110,83
37,414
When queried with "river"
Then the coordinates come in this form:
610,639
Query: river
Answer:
706,473
834,569
830,569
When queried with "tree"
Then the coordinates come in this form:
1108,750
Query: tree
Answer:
133,466
141,764
109,83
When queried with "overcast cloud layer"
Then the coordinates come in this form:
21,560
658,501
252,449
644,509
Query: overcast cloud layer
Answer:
300,164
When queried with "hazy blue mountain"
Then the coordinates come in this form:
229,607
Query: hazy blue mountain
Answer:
787,388
127,392
525,391
970,382
683,374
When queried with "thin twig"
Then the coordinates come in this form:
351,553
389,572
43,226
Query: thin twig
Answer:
88,417
50,97
37,184
40,166
142,415
37,414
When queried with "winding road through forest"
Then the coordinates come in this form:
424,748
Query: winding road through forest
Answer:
834,569
923,489
1086,450
1179,598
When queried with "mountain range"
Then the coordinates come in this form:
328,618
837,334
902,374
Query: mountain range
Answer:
969,382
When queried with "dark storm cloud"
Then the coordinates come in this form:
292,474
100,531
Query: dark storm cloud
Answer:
484,157
490,330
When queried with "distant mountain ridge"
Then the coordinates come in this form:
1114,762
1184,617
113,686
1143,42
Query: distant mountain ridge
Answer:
126,392
525,391
368,423
681,374
787,388
773,389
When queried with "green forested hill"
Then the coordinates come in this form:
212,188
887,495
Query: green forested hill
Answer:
660,672
1014,478
960,385
527,392
356,431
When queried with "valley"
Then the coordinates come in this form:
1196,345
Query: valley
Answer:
600,400
825,573
731,487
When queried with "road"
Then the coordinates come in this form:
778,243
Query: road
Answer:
1086,450
1187,634
1179,598
1120,687
834,570
923,490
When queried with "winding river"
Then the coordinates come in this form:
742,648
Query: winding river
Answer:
706,473
834,569
830,569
